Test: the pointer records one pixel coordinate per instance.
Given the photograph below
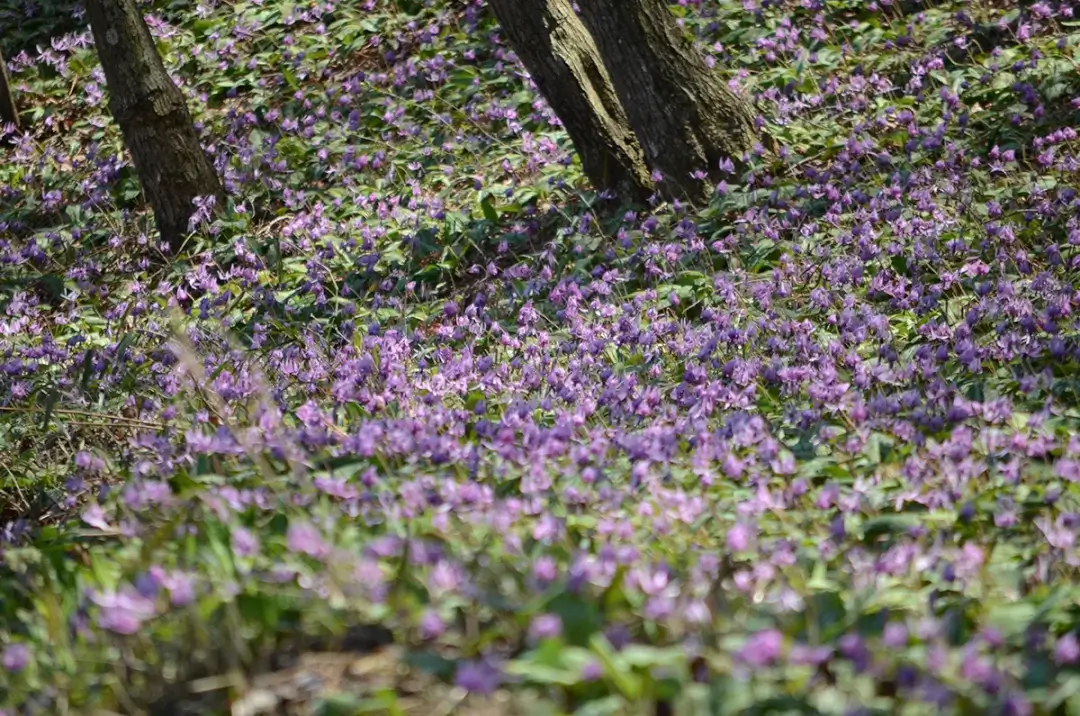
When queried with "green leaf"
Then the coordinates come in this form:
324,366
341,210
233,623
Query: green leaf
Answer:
489,210
539,673
87,371
608,706
432,663
580,618
121,351
1011,619
616,670
51,399
888,525
1068,690
645,656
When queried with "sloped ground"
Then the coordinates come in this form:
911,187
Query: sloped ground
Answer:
409,403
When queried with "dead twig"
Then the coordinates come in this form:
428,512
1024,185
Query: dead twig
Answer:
112,420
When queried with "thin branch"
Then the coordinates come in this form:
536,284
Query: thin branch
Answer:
131,422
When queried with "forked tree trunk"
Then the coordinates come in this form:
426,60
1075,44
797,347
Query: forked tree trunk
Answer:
686,118
563,60
8,113
153,117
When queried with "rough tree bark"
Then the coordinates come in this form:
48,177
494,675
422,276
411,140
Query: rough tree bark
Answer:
8,113
687,119
153,117
563,61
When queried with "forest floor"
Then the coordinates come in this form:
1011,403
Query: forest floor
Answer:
411,427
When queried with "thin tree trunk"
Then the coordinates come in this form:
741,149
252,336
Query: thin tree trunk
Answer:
686,118
8,113
153,117
563,60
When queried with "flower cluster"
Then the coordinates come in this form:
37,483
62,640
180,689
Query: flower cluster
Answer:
814,443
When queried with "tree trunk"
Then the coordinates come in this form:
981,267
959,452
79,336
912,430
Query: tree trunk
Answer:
563,60
686,118
153,117
8,113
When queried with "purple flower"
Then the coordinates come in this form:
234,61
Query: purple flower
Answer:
733,466
697,612
809,655
123,612
1017,705
895,636
592,671
738,538
431,625
310,415
1067,649
762,648
89,463
478,677
245,544
303,538
444,577
1068,469
180,585
545,570
94,516
852,647
545,626
16,657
